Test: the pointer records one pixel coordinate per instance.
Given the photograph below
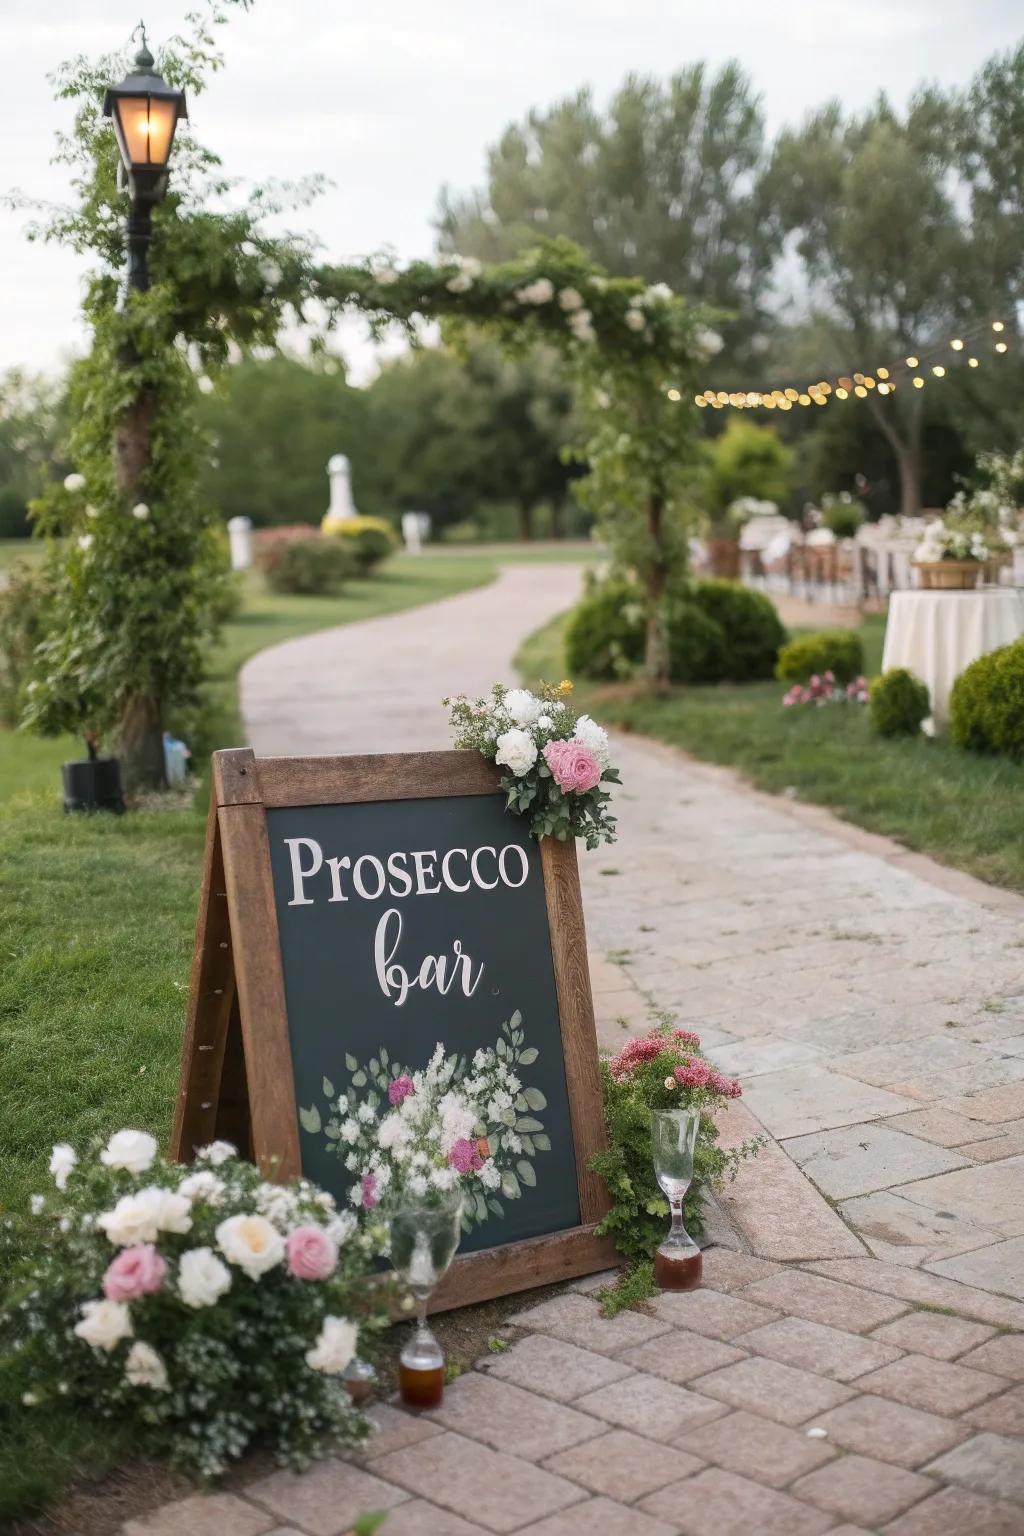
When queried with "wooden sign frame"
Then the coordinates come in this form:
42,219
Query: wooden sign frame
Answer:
236,1074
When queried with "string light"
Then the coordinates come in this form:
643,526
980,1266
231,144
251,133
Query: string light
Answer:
859,385
674,394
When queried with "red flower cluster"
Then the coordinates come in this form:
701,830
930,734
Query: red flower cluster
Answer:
699,1073
645,1048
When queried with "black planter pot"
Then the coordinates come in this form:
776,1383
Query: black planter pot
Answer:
93,784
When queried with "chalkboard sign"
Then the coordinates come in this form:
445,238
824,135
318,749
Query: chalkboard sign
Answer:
355,911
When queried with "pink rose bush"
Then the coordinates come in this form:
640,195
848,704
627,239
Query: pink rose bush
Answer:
663,1069
825,690
138,1288
555,762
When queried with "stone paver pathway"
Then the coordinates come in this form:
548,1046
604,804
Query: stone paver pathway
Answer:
872,1003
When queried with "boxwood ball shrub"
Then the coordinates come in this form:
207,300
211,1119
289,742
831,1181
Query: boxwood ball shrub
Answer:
718,631
370,539
898,704
838,651
987,703
313,567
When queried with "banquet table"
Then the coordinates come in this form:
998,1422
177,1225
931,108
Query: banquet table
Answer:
937,634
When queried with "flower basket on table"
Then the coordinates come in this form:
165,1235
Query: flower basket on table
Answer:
950,559
200,1307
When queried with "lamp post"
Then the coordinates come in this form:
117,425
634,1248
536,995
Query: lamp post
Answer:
145,111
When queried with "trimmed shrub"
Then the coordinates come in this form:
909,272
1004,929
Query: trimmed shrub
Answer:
752,631
718,631
838,651
370,539
605,634
24,601
986,707
898,704
313,567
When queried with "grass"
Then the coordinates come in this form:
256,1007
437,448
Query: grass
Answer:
962,809
96,922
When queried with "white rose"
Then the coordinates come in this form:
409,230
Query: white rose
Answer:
203,1185
62,1160
134,1150
202,1278
91,512
74,482
545,722
570,299
251,1243
581,325
521,705
591,735
657,293
341,1227
140,1218
85,541
104,1324
217,1152
335,1346
635,319
144,1368
141,511
542,291
462,282
708,343
517,750
174,1212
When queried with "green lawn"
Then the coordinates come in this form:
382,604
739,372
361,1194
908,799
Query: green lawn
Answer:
962,809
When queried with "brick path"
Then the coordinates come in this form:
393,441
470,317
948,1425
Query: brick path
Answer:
872,1003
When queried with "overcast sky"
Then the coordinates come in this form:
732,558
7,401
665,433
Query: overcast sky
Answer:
393,98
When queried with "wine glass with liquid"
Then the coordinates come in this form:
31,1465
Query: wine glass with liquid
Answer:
425,1236
677,1263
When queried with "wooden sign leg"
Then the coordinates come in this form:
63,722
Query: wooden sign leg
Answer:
211,1002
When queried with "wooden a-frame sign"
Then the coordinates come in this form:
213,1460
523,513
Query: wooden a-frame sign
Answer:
250,1022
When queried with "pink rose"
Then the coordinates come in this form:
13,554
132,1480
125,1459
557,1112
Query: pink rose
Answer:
312,1255
574,768
368,1184
399,1090
136,1272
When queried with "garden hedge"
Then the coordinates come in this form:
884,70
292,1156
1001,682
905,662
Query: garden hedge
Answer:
898,704
838,651
986,707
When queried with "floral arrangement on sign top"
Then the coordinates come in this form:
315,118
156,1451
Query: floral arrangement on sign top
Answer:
826,690
425,1133
201,1306
665,1069
556,762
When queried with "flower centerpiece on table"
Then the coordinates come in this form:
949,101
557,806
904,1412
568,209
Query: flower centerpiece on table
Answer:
201,1306
664,1069
453,1124
556,763
951,557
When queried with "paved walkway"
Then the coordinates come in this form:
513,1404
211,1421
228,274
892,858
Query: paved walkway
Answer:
873,1004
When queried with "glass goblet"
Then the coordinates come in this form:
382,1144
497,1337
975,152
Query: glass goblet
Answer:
677,1263
425,1235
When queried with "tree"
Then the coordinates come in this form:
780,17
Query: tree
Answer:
883,247
31,429
666,183
747,460
273,423
137,578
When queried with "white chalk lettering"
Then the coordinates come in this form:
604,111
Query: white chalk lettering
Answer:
295,846
395,981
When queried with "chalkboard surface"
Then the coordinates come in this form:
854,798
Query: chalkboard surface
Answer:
364,893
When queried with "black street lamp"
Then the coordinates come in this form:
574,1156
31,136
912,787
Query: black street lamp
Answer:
145,110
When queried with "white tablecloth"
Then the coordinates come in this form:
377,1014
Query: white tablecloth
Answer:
938,634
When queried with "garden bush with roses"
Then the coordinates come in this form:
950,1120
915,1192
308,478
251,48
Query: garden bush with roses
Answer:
664,1069
200,1306
556,762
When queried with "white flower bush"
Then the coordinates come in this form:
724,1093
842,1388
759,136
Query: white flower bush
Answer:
207,1309
557,763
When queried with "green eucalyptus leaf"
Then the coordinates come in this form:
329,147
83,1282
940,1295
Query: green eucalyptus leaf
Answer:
309,1119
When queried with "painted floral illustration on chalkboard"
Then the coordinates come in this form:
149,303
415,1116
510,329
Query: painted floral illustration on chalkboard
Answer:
455,1121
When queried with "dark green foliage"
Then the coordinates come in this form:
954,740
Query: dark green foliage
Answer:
311,567
751,628
23,605
14,523
899,703
987,703
368,540
604,637
746,460
838,651
634,1285
718,631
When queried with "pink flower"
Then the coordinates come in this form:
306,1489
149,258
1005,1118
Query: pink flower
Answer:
574,768
465,1157
368,1184
695,1074
136,1272
686,1037
399,1090
312,1255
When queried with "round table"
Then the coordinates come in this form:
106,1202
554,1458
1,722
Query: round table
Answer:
937,634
